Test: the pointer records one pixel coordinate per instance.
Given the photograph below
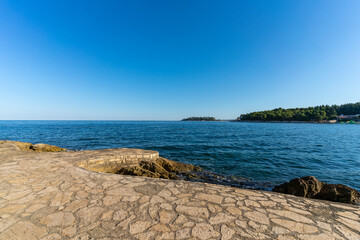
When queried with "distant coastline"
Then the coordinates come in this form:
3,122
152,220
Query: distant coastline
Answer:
208,119
257,121
345,113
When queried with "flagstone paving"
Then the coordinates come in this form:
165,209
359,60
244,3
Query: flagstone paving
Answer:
47,196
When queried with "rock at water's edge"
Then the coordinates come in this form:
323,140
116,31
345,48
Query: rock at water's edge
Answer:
159,168
40,147
311,187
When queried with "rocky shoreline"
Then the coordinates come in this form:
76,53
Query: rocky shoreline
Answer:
159,167
40,147
70,195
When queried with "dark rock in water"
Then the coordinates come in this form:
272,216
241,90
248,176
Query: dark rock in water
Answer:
311,187
339,193
159,168
302,187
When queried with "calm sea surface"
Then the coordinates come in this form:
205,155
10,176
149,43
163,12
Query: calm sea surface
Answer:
265,153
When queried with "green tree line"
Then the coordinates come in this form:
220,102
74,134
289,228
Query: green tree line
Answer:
199,119
318,113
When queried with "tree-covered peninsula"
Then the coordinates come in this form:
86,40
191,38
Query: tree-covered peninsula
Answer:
318,113
200,119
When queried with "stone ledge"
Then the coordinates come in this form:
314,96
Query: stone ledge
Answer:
112,162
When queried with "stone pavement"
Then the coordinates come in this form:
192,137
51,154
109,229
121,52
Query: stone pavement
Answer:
48,196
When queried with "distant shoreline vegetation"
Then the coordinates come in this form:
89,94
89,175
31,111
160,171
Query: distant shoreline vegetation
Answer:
311,114
200,119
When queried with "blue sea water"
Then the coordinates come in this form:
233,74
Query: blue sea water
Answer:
265,153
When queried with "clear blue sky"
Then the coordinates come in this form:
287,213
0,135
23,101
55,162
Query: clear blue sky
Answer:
165,60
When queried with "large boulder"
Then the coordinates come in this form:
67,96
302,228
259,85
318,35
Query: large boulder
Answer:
302,187
311,187
339,193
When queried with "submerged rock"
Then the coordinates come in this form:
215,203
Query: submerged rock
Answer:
40,147
311,187
159,168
